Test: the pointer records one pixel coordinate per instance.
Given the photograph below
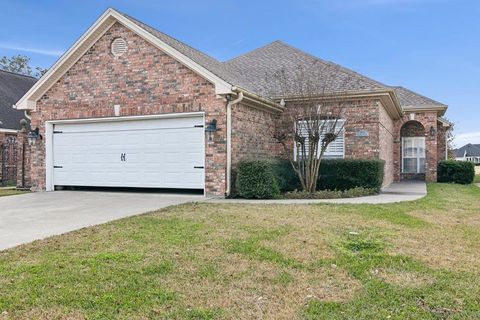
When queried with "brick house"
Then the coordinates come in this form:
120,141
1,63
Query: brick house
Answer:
129,106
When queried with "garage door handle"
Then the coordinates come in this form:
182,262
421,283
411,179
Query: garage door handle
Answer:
198,167
57,167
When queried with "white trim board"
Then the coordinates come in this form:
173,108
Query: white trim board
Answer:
90,37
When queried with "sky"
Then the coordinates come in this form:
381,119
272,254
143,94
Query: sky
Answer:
429,46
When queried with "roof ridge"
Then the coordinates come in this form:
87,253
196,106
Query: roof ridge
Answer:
252,51
173,38
18,74
341,68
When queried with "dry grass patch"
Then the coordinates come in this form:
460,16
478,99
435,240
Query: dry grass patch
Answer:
402,278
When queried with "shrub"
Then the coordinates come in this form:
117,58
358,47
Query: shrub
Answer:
286,177
344,174
335,174
255,179
456,171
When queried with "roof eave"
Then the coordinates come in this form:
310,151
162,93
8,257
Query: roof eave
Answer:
259,101
439,109
387,97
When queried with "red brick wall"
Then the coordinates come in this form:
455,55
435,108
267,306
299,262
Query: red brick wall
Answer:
143,81
428,120
386,143
362,115
441,142
253,133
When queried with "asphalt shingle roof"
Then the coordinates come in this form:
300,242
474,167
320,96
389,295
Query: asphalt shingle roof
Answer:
263,62
411,99
253,71
12,87
206,61
472,150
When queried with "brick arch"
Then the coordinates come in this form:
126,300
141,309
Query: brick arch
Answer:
412,122
412,128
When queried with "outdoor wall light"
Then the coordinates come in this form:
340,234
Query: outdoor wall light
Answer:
212,126
433,131
33,136
210,129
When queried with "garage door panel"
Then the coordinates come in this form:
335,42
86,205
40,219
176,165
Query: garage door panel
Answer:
144,153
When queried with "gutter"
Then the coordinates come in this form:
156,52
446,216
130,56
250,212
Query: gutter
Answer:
230,105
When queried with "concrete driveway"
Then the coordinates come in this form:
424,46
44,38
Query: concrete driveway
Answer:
28,217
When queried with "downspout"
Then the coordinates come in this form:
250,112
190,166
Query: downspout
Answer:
230,105
27,116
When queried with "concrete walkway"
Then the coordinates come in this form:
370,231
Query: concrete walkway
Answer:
28,217
396,192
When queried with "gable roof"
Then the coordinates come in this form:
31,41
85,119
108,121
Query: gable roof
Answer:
468,150
411,100
97,30
247,72
12,87
261,63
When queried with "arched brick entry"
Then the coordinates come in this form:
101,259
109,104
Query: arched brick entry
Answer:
417,125
412,151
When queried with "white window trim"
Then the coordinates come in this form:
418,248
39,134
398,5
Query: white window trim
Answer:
417,157
327,155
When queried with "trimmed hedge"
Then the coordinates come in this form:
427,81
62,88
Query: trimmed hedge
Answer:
344,174
335,174
461,172
255,179
266,179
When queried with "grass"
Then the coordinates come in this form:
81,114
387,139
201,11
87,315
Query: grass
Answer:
415,260
10,192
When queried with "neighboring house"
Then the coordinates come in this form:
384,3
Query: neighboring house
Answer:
12,87
129,106
469,152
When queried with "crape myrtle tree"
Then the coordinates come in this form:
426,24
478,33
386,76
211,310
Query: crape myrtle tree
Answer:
313,117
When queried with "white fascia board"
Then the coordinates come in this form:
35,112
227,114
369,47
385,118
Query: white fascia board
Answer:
8,130
107,19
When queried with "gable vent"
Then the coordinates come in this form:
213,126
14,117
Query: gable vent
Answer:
118,47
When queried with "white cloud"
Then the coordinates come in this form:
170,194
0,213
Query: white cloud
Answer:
46,52
467,137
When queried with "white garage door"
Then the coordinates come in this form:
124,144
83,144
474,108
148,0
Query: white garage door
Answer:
157,153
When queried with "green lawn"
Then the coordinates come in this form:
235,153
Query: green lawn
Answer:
10,192
477,178
416,260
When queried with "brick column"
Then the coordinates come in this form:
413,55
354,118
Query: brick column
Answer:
23,160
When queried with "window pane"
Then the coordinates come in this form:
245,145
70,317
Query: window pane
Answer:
421,164
410,152
421,147
335,149
410,165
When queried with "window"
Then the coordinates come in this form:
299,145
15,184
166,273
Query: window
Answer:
336,149
413,155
